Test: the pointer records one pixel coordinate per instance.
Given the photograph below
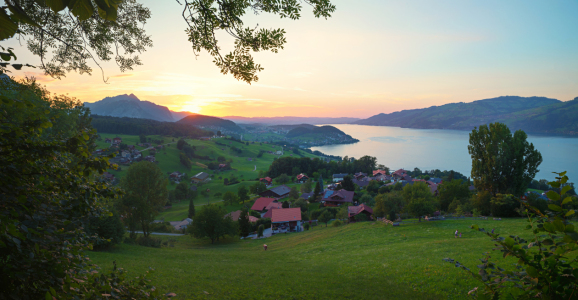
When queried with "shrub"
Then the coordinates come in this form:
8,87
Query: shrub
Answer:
337,223
260,231
361,217
110,229
149,241
306,226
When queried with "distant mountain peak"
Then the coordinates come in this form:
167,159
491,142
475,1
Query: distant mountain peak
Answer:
132,96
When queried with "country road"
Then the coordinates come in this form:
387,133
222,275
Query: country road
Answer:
162,233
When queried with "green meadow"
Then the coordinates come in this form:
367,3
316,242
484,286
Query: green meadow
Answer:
366,260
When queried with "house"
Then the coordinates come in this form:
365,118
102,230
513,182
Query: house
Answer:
382,177
436,180
278,152
176,176
338,177
353,211
201,177
205,138
302,178
274,205
277,192
336,198
286,220
125,154
222,166
360,175
131,147
306,196
107,140
379,172
361,183
117,140
235,215
538,195
266,180
150,158
181,225
261,203
397,175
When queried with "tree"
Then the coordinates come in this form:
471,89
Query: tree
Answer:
502,163
504,206
482,201
361,217
419,199
260,230
316,192
182,191
450,190
192,197
244,225
210,222
283,178
545,263
385,203
108,228
392,215
143,138
181,144
293,193
118,26
285,204
145,189
367,200
306,186
258,188
219,133
243,194
301,203
347,184
230,198
325,217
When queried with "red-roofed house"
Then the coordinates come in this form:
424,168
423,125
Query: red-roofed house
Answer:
378,172
274,204
302,178
117,140
261,203
286,219
337,198
353,211
399,174
266,180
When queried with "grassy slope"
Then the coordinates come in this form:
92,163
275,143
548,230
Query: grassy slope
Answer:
357,261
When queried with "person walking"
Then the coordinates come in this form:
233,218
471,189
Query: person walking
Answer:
456,234
492,230
265,247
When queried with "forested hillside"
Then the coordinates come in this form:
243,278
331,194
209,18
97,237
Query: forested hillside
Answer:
105,124
208,121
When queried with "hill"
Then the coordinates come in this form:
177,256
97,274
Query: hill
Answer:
135,126
290,120
314,130
459,115
130,106
558,118
209,122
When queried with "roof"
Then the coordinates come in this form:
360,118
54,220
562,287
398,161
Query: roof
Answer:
375,172
280,190
340,175
286,215
354,210
269,213
201,176
399,172
274,204
235,215
306,195
361,183
266,178
435,180
301,176
339,196
261,203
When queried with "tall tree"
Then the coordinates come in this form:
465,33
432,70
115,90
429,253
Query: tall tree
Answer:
306,186
230,198
243,194
145,188
347,184
114,29
258,188
419,199
316,192
325,217
450,190
210,222
244,224
182,191
192,196
502,163
293,193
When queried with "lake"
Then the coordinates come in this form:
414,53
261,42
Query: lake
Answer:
430,149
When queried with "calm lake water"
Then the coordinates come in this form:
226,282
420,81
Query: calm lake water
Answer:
430,149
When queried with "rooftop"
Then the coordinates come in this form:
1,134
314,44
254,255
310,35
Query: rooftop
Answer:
286,215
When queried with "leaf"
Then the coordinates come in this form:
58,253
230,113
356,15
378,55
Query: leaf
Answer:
8,27
559,225
567,200
57,5
47,296
553,196
554,207
569,213
569,228
532,271
509,241
565,189
82,9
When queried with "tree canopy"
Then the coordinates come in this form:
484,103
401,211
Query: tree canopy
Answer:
419,200
210,222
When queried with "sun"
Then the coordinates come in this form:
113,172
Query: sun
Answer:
194,108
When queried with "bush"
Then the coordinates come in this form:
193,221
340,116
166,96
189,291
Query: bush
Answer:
361,217
260,231
337,223
266,222
109,229
306,226
149,241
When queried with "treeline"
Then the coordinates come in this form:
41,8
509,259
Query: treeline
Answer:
116,125
293,166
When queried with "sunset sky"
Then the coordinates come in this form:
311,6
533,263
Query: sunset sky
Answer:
370,57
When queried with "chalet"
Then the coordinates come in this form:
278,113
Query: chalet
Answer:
306,196
338,177
176,176
278,152
379,172
261,203
150,158
360,175
205,138
302,178
399,174
353,211
382,177
336,198
201,177
266,180
107,140
277,192
125,154
117,140
286,220
436,180
235,215
361,183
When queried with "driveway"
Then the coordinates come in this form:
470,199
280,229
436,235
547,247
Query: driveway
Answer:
267,232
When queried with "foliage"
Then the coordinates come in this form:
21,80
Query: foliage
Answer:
482,201
149,241
244,225
230,198
502,163
347,184
260,230
258,188
306,226
211,223
282,179
307,186
293,193
285,204
134,126
265,222
243,194
546,265
367,200
361,217
325,217
336,223
145,189
504,206
108,228
301,203
385,203
450,190
316,193
192,204
392,215
418,199
182,191
285,165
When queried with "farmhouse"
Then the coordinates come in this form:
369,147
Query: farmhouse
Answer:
286,220
116,140
338,177
266,180
302,178
278,192
379,172
353,211
336,198
181,225
360,176
399,174
261,203
201,177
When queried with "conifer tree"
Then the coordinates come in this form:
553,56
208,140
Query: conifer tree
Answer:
244,225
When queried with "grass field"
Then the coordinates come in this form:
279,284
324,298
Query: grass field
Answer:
358,261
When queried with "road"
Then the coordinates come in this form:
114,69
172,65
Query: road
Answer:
162,233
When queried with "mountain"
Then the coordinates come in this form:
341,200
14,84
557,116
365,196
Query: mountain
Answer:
290,120
181,114
459,115
209,122
130,106
559,118
322,131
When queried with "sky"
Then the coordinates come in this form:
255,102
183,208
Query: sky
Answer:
370,57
